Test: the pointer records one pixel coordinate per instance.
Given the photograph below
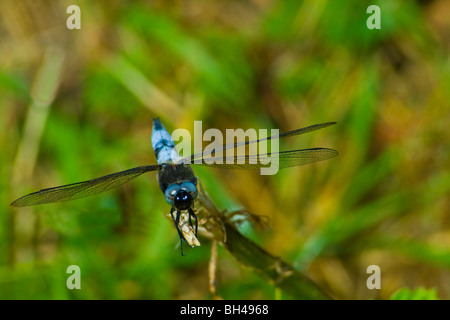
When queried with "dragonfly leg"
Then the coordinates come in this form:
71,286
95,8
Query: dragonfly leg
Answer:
176,221
192,214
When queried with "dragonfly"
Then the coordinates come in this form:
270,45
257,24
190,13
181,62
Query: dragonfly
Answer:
175,175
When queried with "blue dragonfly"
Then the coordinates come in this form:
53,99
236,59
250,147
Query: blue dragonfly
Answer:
175,176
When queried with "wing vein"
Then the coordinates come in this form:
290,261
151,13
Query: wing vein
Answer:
82,189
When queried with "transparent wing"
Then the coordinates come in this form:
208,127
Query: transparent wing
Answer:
82,189
284,159
192,158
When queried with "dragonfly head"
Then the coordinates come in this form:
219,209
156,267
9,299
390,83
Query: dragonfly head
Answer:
181,196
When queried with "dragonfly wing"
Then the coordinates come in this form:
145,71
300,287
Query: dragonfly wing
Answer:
296,132
284,159
82,189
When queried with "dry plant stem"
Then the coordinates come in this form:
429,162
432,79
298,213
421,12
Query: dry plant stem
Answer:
188,230
281,274
152,97
43,92
212,271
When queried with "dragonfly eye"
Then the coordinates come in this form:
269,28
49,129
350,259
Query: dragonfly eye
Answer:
183,200
170,193
190,188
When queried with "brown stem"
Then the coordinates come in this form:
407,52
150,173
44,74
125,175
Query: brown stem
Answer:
280,273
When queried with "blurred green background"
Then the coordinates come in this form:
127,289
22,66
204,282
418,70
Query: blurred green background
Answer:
78,104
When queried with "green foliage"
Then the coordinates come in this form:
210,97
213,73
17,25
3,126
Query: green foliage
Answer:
276,64
414,294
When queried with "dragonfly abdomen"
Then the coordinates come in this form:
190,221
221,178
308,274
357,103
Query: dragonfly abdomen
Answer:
163,144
